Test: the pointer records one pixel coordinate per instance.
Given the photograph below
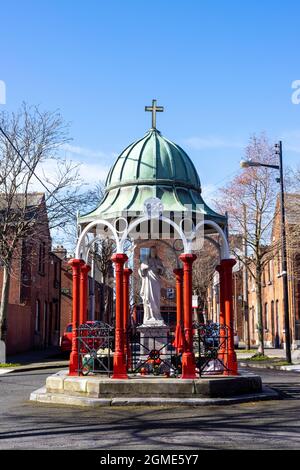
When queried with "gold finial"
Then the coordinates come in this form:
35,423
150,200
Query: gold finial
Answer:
154,109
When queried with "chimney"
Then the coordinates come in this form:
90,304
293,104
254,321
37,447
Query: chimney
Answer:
60,251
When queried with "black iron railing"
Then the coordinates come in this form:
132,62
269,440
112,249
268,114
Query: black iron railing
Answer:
95,348
210,348
152,354
148,354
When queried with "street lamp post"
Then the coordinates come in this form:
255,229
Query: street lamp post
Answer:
249,163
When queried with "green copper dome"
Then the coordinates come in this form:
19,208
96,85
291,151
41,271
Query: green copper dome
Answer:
153,160
152,167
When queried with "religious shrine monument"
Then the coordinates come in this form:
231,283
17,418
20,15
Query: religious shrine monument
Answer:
155,216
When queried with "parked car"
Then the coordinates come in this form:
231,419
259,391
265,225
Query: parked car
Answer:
66,339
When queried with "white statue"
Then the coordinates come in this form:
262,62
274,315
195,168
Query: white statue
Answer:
150,272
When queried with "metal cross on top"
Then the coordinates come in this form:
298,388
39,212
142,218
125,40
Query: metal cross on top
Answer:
154,109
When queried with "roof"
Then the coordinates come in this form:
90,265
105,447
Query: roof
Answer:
153,160
32,200
152,167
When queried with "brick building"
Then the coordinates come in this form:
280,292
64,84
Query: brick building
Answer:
272,287
213,300
96,290
34,295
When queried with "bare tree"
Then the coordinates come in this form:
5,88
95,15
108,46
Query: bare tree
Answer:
101,254
255,187
30,158
203,271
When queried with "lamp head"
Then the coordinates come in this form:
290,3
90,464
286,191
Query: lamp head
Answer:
248,163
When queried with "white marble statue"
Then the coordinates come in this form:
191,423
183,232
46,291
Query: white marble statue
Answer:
150,271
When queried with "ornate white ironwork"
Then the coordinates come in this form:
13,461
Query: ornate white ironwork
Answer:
153,210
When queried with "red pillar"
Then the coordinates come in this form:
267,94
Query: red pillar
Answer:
126,276
83,293
227,265
179,338
188,358
76,266
119,357
222,356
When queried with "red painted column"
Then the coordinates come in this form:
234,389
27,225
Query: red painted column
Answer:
119,357
83,293
76,266
179,337
222,355
227,265
126,277
188,358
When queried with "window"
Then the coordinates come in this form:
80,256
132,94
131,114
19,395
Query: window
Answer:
266,317
270,271
253,321
37,316
272,318
42,254
56,281
56,318
278,264
144,254
277,317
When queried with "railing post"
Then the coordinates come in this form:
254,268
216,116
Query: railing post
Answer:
76,266
227,265
223,336
83,293
179,337
188,357
119,356
126,277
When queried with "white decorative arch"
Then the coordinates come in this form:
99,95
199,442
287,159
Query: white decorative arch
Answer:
225,254
146,218
81,247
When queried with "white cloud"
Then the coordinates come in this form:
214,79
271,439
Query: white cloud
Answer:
83,151
89,173
211,142
93,173
291,140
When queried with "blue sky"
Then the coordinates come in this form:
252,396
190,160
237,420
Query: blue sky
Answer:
222,69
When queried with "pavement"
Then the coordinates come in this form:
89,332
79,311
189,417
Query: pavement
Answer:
270,352
256,425
36,360
273,354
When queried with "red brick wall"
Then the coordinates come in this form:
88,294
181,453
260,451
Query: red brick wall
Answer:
23,294
66,297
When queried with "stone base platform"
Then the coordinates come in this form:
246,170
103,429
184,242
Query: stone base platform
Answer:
103,391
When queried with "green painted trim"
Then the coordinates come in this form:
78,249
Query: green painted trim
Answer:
163,182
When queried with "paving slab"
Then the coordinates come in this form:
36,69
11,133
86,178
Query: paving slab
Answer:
42,396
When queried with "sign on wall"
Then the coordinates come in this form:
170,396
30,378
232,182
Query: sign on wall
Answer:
195,301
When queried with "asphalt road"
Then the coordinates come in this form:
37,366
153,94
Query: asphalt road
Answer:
262,425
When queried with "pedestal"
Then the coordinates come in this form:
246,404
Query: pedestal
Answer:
154,338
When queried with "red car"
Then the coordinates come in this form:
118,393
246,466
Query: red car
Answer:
66,339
